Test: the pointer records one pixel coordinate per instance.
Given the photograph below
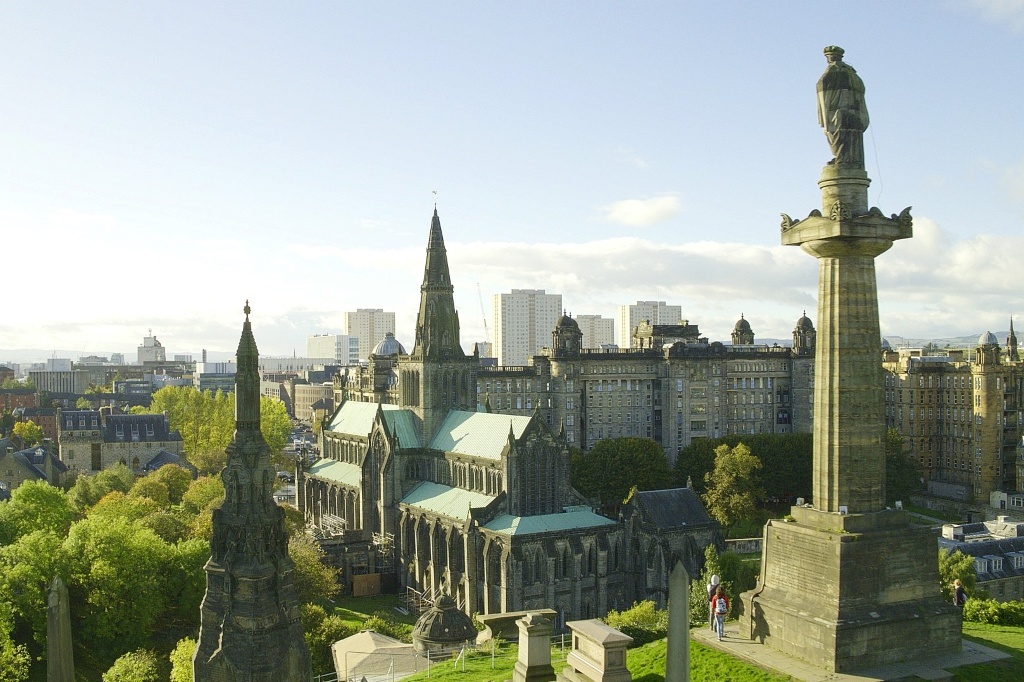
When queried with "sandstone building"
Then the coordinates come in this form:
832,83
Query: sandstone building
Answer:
417,483
959,415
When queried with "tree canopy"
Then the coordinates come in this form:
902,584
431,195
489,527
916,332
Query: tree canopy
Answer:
206,422
903,474
732,489
786,458
953,565
615,466
29,432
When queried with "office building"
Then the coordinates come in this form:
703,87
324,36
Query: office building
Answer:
342,347
598,332
368,325
654,312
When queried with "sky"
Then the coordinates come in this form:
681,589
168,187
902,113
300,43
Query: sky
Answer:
162,163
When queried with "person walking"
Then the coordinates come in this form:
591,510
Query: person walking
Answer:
720,607
712,586
959,594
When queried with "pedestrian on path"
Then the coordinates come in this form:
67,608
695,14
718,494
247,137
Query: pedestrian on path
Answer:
720,607
712,586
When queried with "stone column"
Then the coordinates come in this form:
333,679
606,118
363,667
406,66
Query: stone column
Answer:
849,400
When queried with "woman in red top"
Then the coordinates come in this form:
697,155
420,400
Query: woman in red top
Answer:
720,607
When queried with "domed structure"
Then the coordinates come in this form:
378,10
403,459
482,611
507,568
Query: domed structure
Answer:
389,345
803,336
885,344
444,626
566,338
742,334
988,339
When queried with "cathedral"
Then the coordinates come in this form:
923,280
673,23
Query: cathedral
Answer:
420,487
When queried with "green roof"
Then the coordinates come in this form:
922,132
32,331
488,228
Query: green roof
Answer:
480,434
340,472
355,418
573,518
444,500
401,422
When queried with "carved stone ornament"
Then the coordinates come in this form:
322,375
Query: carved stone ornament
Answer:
840,211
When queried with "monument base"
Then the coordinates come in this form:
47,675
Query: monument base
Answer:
851,591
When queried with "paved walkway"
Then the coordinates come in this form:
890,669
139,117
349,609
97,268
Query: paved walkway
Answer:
766,657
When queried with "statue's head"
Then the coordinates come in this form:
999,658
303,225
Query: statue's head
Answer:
834,53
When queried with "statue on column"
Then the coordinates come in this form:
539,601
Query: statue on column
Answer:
842,111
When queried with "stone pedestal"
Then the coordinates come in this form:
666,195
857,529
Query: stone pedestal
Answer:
598,653
534,662
848,592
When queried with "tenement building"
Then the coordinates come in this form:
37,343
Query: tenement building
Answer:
960,415
672,385
417,482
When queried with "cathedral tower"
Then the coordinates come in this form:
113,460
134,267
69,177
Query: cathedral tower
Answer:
437,376
250,627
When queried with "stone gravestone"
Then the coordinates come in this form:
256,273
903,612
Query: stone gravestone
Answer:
60,662
677,661
598,653
534,662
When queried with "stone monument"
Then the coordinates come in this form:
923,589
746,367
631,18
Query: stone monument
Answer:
60,661
534,661
847,583
250,627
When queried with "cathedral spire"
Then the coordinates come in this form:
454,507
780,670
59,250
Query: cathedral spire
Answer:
437,324
1011,345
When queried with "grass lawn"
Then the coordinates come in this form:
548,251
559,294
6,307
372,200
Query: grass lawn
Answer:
354,610
1003,637
646,663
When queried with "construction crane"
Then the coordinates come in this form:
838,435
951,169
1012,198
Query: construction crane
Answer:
483,313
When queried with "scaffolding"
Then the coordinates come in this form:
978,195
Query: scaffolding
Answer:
330,526
384,544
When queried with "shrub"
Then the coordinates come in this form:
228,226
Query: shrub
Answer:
643,622
135,666
383,623
994,612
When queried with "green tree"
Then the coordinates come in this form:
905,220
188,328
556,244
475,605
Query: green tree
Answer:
181,660
314,580
135,666
83,403
321,631
184,585
116,505
903,474
201,493
29,432
7,423
27,567
116,580
733,491
35,505
88,490
14,383
176,478
206,422
787,460
616,465
14,657
152,489
953,565
169,526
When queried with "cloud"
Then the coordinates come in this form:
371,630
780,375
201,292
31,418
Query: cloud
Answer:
1005,12
643,212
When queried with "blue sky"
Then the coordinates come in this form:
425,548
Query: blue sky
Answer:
163,162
